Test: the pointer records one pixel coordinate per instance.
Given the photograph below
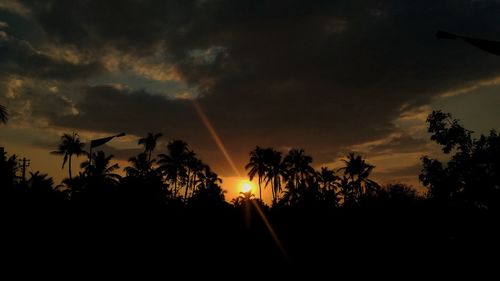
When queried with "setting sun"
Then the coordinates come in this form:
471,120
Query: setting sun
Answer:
246,186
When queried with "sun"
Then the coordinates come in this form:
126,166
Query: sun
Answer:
246,186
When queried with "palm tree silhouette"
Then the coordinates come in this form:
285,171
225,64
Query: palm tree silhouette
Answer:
207,177
257,166
194,166
101,169
197,167
141,166
275,171
357,170
40,182
69,145
4,115
149,143
298,165
328,183
173,164
327,178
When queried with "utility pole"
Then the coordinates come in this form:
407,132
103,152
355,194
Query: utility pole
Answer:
24,163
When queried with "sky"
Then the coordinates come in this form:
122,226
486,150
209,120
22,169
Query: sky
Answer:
326,76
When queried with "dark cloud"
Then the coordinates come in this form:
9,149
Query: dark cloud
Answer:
111,109
318,74
19,57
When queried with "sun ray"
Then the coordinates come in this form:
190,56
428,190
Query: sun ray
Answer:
220,144
215,136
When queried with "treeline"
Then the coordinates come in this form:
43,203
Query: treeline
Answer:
471,178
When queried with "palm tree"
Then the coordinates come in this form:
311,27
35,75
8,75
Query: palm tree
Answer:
40,183
208,178
328,182
69,145
141,166
149,143
193,166
357,170
257,166
173,164
101,169
298,165
275,171
196,167
4,115
327,178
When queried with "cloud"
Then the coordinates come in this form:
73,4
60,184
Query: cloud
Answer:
323,75
14,6
19,57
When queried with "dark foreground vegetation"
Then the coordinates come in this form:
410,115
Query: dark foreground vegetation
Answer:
169,214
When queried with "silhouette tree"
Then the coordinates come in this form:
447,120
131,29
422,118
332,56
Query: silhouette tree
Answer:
69,145
40,183
149,143
101,170
275,171
327,178
471,175
208,191
8,170
4,115
257,166
298,166
328,182
357,171
400,195
192,164
173,164
141,166
196,168
207,177
243,199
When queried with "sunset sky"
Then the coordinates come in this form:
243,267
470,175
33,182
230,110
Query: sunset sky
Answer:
326,76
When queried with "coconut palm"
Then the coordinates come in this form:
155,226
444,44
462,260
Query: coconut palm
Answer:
101,169
207,177
275,171
149,143
193,166
41,183
196,167
298,165
327,178
257,166
357,170
69,145
173,164
141,166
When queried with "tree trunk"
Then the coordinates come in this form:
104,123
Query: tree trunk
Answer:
69,166
187,184
260,192
272,188
175,187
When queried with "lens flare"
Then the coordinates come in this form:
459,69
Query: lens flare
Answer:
204,119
